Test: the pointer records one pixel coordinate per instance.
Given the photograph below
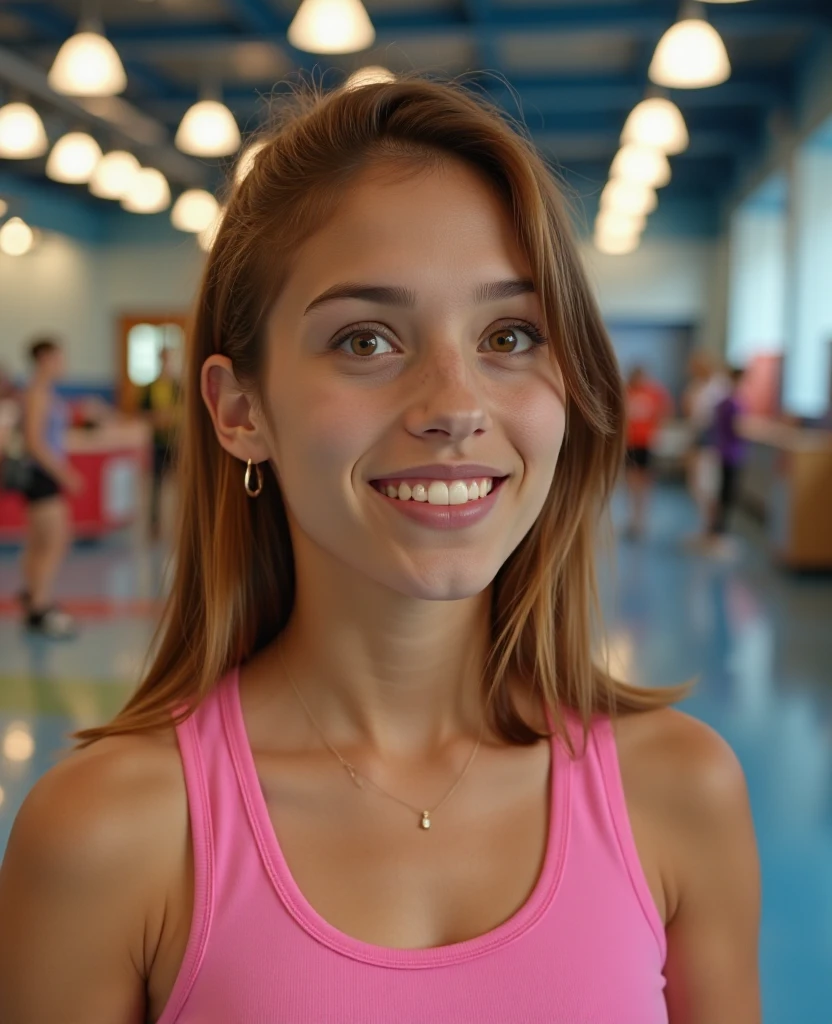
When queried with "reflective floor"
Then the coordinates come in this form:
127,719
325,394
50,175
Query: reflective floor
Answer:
759,641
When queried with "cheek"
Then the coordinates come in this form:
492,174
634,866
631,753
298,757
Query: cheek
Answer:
322,432
537,426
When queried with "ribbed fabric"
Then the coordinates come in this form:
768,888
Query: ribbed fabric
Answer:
587,947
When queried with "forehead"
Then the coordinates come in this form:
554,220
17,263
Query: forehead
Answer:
442,223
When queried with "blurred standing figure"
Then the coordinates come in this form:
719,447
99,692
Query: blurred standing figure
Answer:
160,400
648,405
45,419
708,387
731,448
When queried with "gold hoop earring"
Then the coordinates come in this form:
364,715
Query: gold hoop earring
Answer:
259,472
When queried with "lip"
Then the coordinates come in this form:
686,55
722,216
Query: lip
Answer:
444,517
442,471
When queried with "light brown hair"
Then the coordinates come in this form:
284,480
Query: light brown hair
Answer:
233,587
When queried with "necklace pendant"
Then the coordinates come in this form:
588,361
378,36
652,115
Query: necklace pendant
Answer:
425,822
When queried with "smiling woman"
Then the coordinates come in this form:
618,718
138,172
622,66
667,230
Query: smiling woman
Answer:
403,419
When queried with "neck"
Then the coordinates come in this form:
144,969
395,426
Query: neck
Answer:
383,670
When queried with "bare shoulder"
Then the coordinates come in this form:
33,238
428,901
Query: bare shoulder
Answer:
687,797
106,800
98,847
679,761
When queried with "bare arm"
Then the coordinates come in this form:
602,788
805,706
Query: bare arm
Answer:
79,890
713,935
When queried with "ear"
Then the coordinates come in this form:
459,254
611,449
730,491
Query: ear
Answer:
238,427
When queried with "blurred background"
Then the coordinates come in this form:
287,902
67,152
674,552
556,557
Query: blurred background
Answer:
695,140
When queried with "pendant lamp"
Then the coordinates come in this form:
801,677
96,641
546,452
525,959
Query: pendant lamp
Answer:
22,135
208,129
87,65
194,211
16,237
657,122
331,26
73,159
635,162
149,193
690,55
114,174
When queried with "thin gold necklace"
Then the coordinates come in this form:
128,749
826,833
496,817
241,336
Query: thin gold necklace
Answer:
357,776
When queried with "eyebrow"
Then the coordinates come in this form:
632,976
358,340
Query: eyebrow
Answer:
403,297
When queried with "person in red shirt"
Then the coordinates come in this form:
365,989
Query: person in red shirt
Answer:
648,405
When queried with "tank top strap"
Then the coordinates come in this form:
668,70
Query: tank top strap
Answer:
212,805
600,772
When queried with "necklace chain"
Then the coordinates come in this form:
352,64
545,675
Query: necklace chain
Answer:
357,776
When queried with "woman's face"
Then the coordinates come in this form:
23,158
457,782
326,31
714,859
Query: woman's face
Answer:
405,357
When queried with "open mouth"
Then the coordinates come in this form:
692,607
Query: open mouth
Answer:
439,492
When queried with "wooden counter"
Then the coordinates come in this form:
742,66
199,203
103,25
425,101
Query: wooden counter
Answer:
788,478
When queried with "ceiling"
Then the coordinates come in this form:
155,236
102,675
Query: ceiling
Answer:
575,69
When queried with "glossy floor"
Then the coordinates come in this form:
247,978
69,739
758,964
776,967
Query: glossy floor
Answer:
759,641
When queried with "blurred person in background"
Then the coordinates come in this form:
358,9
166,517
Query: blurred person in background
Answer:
10,409
731,447
708,386
50,478
648,406
160,401
383,599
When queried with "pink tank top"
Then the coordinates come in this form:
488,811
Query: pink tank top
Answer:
587,947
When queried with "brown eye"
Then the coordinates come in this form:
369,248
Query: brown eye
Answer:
365,343
504,340
512,341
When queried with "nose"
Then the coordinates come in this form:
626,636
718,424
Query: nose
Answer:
446,400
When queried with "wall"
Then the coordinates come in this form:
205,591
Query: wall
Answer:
78,291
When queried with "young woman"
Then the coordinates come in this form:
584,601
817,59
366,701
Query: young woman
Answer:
398,788
45,419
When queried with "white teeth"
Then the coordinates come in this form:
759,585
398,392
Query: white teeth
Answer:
440,492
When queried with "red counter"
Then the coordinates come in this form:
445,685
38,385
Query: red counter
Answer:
113,460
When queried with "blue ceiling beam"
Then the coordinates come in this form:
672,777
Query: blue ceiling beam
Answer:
627,20
256,15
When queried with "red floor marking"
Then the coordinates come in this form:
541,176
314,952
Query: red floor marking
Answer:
93,607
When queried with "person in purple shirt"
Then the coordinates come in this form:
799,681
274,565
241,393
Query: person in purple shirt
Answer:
731,448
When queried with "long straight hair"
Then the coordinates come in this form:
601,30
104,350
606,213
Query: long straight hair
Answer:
233,586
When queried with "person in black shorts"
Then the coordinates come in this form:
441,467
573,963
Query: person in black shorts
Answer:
50,477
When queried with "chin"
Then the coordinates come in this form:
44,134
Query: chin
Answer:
444,580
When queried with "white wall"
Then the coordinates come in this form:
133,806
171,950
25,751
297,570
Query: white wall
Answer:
807,369
664,280
78,292
757,314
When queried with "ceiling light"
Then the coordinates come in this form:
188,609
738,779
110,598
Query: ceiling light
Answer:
87,65
194,211
73,158
208,129
246,161
114,174
630,197
641,163
657,122
22,135
207,236
612,222
369,75
331,26
617,245
16,237
690,55
149,193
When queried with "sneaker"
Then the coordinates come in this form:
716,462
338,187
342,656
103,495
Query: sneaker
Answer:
52,623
